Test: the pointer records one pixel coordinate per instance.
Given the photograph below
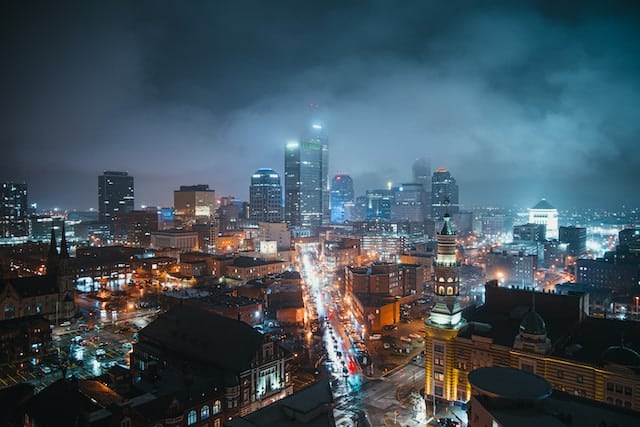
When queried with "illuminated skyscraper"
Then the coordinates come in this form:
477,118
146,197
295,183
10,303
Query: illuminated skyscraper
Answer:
341,193
305,185
115,195
13,210
443,189
265,196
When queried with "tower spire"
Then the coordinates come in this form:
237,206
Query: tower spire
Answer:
52,258
64,251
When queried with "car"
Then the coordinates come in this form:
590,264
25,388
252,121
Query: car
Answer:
390,328
45,369
386,346
374,337
448,422
415,335
405,339
65,324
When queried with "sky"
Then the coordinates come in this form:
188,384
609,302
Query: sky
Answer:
519,100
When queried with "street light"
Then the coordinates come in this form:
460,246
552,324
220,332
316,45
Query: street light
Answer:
637,299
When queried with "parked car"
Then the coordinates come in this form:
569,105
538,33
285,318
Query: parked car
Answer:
390,328
415,335
374,337
405,339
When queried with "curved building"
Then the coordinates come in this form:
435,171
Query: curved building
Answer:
265,196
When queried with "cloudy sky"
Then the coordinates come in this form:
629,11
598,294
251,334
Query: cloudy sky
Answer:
519,100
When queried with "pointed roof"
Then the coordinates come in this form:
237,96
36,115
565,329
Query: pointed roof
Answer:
543,204
53,245
64,251
447,230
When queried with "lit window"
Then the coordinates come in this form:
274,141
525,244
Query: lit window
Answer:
217,407
204,412
192,418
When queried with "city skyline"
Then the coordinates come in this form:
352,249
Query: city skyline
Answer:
519,102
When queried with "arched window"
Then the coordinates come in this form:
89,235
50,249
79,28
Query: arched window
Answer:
192,417
27,310
9,311
217,407
38,307
441,290
450,280
449,290
204,412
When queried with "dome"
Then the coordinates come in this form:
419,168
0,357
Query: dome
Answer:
533,324
621,355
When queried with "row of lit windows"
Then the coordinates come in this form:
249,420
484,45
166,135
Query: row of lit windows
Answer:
192,416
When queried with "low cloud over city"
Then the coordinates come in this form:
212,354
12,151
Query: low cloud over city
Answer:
518,101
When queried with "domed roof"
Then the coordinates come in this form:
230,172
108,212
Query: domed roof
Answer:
533,324
621,355
543,204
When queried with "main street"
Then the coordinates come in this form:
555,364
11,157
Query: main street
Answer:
368,397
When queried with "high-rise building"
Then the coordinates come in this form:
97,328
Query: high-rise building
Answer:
341,194
14,221
379,204
115,195
544,213
194,204
444,194
408,203
306,191
265,196
576,237
422,175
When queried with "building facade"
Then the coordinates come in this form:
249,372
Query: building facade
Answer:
14,209
545,214
306,181
265,196
194,204
547,334
341,195
115,195
444,194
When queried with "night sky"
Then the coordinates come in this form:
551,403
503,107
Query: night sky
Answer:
519,101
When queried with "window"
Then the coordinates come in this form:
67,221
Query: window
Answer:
217,423
438,376
627,391
126,422
579,379
527,367
9,311
217,407
560,374
618,388
438,391
192,417
438,361
438,348
609,386
204,412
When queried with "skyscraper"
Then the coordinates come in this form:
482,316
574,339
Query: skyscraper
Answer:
13,210
305,169
194,203
443,189
341,193
408,203
115,195
422,175
265,196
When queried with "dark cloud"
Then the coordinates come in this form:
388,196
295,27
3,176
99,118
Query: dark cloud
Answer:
518,101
